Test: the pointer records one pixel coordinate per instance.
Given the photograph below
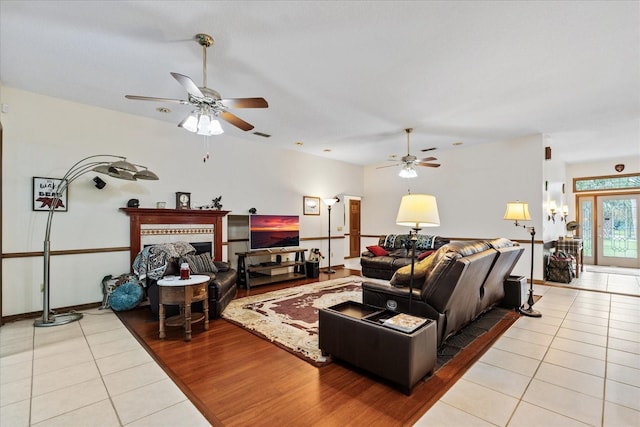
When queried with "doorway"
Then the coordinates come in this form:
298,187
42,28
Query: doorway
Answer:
354,228
609,229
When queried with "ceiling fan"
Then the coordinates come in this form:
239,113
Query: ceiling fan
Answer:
208,103
409,161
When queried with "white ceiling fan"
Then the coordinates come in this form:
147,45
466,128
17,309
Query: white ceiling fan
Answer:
209,105
409,161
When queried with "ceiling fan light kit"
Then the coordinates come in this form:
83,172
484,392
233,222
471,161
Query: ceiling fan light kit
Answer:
209,105
409,161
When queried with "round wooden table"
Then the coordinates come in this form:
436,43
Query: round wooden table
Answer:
175,291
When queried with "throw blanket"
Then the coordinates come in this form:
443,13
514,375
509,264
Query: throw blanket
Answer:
152,261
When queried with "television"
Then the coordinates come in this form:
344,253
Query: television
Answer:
274,231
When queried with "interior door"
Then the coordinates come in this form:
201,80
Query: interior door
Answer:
617,230
354,228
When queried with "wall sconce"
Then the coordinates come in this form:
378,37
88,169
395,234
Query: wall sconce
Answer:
552,211
564,213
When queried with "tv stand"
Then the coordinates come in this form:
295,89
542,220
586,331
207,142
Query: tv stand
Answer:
260,274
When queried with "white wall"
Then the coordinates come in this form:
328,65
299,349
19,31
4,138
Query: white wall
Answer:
472,188
246,173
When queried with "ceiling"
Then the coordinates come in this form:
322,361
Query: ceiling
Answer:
350,76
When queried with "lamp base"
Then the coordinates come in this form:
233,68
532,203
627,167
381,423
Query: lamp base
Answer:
529,312
60,319
329,271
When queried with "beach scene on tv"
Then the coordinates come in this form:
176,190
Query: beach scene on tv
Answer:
274,231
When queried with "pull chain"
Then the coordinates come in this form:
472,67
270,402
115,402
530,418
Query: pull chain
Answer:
205,148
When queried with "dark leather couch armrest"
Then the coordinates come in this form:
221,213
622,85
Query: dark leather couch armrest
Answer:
378,288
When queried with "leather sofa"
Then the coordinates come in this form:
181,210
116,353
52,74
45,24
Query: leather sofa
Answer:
460,281
222,289
393,253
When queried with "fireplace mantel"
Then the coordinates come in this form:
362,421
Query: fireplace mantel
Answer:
140,216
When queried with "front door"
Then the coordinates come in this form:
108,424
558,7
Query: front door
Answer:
354,228
609,229
617,230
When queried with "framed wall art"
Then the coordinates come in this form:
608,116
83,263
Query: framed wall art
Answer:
45,191
311,205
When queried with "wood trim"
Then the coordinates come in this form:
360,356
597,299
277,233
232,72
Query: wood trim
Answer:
66,252
140,216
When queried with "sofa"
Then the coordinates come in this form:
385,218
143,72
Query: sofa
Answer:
452,286
393,252
222,284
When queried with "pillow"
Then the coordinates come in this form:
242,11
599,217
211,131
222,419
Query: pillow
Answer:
402,276
222,266
377,250
200,263
126,297
425,254
110,284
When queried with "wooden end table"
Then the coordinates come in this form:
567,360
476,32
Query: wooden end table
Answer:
175,291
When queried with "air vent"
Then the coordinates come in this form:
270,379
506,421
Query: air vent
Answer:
262,134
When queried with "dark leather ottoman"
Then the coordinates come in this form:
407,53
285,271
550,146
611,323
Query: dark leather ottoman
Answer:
349,331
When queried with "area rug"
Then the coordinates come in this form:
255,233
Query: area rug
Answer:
289,317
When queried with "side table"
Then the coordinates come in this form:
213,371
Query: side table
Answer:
175,291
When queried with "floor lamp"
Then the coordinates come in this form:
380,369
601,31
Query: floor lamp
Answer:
330,202
417,211
519,211
114,166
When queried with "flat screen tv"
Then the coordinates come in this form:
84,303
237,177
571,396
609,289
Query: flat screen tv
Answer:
274,231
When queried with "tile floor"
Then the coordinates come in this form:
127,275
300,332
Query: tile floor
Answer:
90,372
578,365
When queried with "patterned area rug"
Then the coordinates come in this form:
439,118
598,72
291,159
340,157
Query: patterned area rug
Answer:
289,317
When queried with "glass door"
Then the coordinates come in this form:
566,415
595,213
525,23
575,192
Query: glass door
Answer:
617,230
586,231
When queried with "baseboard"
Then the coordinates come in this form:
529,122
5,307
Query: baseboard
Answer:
36,314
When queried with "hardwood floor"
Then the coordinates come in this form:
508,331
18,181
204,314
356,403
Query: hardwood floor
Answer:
237,379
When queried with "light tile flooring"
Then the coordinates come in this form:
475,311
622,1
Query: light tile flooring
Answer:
577,365
87,373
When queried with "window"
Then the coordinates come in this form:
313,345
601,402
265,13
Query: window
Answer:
606,183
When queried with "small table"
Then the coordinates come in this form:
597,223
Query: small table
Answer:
175,291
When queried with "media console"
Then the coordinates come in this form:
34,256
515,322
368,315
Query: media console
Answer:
261,273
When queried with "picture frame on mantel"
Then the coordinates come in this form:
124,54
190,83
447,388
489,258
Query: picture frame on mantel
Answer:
311,205
45,191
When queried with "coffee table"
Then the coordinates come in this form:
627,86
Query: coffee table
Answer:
175,291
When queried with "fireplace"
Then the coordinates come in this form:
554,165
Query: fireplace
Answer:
154,226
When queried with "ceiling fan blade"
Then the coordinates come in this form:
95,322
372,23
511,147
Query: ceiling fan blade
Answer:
389,166
235,120
150,98
188,84
427,159
429,149
245,102
429,165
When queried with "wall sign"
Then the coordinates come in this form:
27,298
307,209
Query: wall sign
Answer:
45,191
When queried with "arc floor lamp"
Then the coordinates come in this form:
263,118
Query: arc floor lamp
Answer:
417,211
330,202
519,211
114,166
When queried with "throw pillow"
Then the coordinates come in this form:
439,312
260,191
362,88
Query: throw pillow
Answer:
377,250
111,283
126,297
402,276
199,264
425,254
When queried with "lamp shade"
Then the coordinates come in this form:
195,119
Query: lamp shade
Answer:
331,201
407,172
418,210
518,211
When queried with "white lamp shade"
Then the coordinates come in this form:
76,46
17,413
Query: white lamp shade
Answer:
190,123
418,210
215,128
518,211
330,202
